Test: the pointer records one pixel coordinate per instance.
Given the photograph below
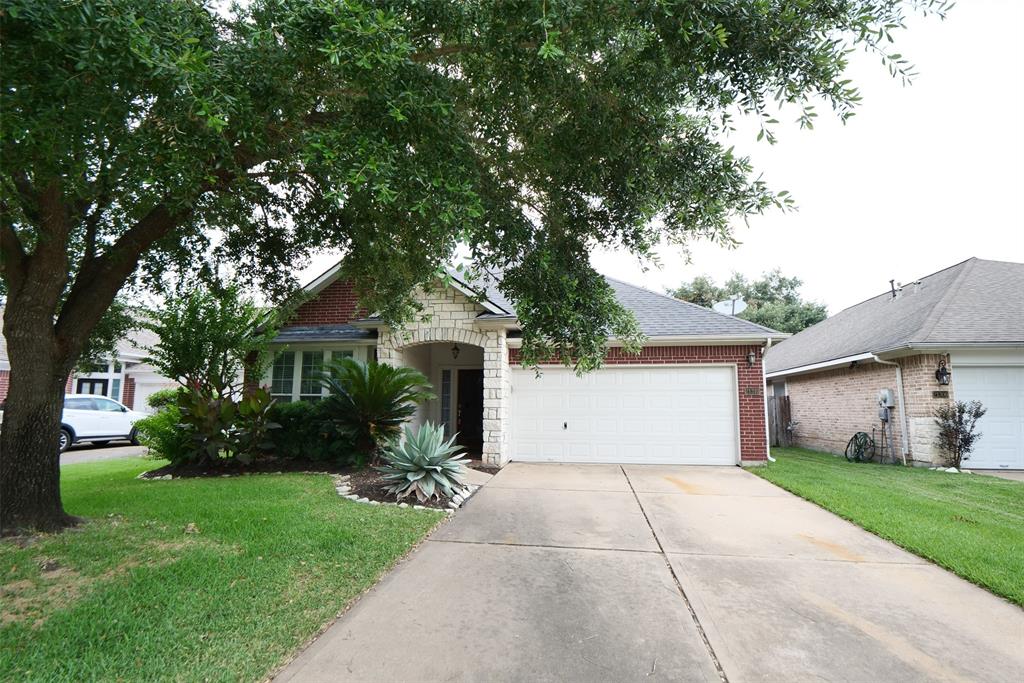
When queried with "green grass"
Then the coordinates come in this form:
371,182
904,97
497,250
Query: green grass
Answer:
131,596
971,524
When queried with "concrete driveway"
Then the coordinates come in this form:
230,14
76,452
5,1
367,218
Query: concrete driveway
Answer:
640,573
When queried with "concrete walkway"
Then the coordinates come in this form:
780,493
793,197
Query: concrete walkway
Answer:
641,573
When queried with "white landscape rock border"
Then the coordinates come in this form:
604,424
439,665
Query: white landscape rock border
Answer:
344,488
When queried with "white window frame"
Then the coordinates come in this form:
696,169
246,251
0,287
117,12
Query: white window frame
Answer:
330,352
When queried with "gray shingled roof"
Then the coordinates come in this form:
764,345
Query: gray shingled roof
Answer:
323,333
658,315
973,302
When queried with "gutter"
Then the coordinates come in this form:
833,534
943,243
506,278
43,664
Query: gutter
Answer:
764,388
687,340
903,406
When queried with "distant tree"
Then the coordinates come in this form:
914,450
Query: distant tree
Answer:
773,300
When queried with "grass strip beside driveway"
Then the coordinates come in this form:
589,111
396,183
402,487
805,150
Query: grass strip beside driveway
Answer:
198,579
970,524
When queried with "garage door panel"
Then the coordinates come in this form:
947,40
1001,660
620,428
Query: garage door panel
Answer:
657,415
1001,390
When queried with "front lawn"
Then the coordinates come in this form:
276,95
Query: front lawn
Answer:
197,579
971,524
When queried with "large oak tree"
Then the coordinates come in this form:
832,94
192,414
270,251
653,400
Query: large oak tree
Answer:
142,138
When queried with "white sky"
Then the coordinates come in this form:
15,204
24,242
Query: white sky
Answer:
922,177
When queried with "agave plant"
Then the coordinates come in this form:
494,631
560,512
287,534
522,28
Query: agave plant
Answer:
370,401
424,464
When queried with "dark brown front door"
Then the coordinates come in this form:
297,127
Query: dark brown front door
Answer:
470,415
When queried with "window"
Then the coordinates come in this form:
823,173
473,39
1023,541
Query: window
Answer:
115,389
108,406
309,385
282,375
78,404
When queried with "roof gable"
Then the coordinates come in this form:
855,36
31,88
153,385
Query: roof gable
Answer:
975,301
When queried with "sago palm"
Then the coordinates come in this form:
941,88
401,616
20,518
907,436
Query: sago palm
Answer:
370,401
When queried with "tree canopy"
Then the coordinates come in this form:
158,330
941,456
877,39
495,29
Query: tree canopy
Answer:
773,300
144,139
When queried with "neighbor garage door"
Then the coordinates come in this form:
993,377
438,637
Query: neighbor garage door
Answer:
626,414
1001,390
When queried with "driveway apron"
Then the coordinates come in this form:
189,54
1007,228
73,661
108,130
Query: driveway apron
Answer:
608,573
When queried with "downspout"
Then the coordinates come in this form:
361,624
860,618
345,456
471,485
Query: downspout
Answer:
764,385
903,405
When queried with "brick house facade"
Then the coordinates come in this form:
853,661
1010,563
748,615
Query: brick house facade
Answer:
462,335
954,335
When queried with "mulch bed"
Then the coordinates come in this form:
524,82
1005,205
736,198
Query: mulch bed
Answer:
369,483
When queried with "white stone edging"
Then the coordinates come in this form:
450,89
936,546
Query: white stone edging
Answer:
344,489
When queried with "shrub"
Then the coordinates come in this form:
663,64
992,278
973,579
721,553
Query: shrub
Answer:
221,428
159,400
370,401
957,437
164,436
423,464
306,432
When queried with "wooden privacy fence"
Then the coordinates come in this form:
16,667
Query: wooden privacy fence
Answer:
778,418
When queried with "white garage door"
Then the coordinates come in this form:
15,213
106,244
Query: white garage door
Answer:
1001,391
628,414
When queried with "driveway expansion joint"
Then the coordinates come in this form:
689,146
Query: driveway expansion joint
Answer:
546,545
679,585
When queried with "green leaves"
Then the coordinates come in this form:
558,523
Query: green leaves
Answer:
530,133
370,401
424,464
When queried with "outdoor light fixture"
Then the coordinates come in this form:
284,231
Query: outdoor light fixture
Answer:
455,351
942,374
751,359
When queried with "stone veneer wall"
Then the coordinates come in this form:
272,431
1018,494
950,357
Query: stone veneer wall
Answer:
919,384
452,318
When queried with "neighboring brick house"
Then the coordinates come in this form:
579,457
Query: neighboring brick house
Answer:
694,395
125,378
968,319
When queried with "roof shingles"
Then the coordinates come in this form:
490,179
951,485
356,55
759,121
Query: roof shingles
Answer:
975,301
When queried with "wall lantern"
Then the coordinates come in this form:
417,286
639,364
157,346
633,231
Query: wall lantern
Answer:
455,351
942,374
751,359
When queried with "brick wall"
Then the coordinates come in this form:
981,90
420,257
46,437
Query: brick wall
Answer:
128,393
832,405
753,442
336,304
919,385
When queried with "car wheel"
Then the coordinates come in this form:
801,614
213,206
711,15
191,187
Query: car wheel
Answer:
65,439
134,437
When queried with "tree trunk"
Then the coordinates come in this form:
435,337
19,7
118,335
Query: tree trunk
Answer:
30,434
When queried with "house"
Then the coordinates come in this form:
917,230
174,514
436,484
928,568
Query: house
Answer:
695,395
957,334
126,377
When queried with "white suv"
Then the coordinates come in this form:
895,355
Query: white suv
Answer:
88,417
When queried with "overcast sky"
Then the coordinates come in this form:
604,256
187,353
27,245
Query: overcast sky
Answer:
922,177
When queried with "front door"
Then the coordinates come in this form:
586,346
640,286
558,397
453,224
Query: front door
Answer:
92,386
470,416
